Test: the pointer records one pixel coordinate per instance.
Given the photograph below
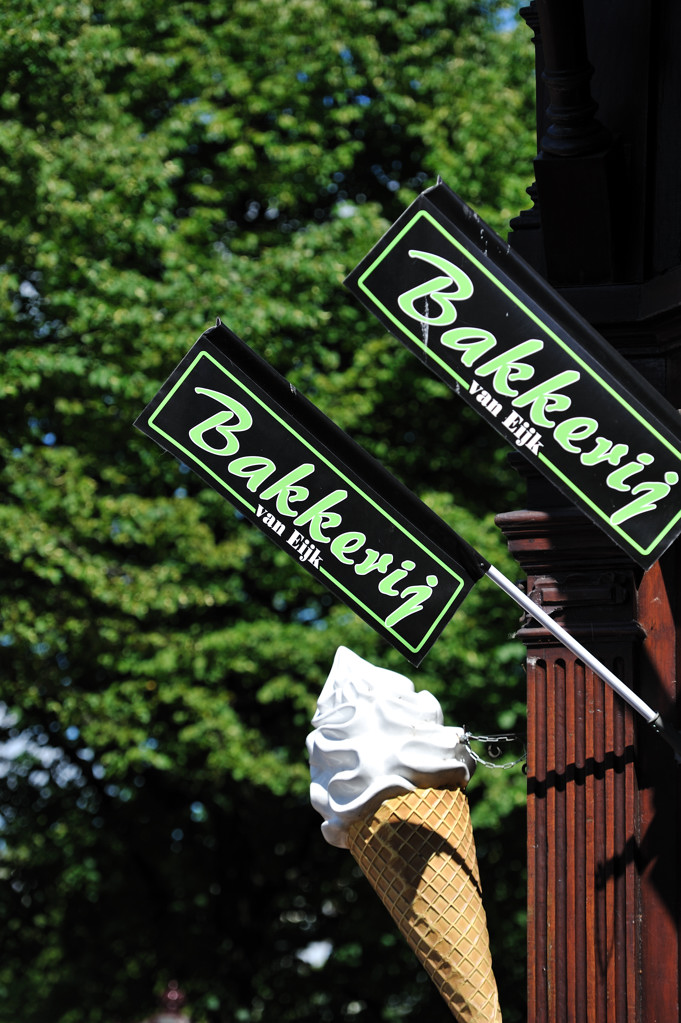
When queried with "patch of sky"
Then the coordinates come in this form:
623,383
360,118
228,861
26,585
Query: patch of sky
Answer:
53,763
308,614
316,953
198,812
354,1008
27,290
506,19
252,211
39,778
345,209
388,177
12,749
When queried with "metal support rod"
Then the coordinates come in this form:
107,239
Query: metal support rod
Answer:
667,732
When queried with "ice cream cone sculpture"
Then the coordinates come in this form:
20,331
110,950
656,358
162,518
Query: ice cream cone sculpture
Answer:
389,777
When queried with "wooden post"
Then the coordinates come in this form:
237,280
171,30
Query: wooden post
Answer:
583,896
604,816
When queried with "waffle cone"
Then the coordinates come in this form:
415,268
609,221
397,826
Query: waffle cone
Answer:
418,853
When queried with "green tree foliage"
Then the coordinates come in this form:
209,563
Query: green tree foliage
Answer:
163,164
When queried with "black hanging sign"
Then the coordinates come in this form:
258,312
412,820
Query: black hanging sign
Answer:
313,491
477,315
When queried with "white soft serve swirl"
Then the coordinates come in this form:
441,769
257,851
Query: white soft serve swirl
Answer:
375,737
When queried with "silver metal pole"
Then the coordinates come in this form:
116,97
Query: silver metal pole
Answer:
668,733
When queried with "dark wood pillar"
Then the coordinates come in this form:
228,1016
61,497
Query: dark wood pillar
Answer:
604,812
602,789
583,895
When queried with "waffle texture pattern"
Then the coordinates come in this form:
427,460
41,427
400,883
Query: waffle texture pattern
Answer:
418,853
